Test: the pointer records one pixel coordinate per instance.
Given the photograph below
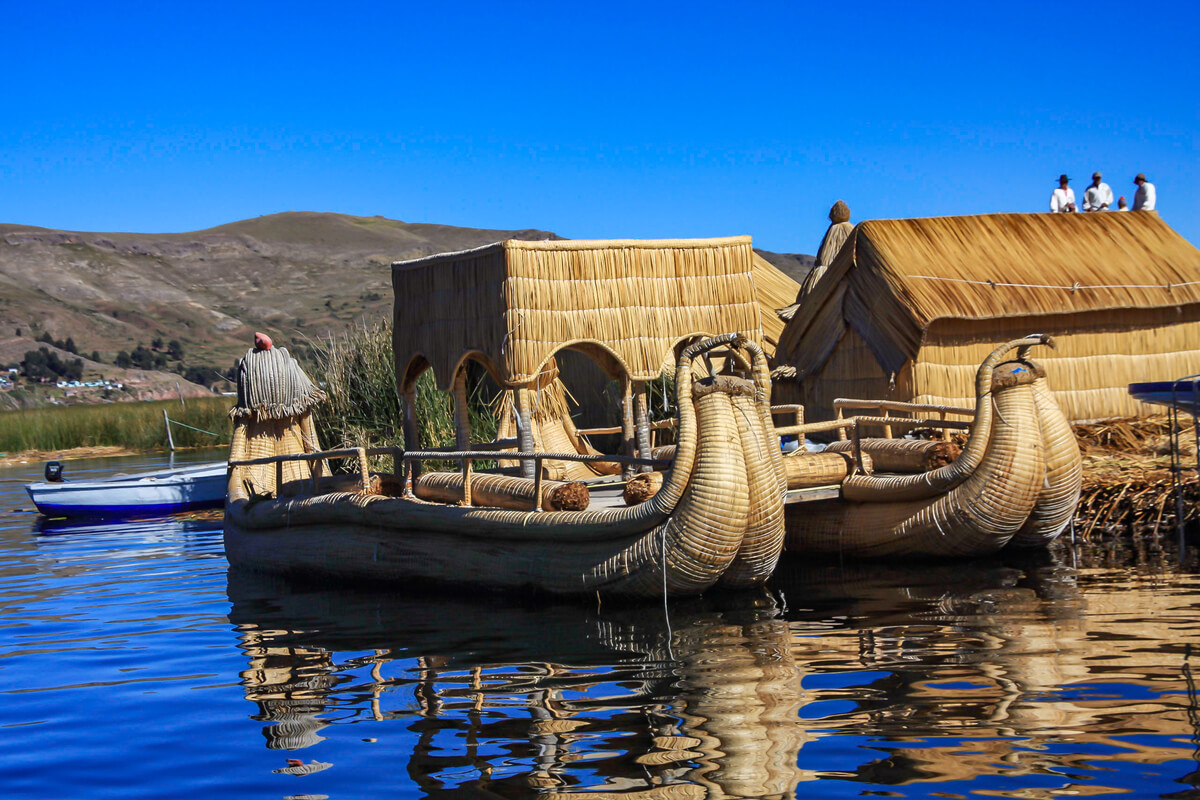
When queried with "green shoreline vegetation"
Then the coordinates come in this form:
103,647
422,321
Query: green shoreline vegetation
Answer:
132,425
356,370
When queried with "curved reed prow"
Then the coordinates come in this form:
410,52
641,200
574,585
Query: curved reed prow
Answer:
1016,480
869,488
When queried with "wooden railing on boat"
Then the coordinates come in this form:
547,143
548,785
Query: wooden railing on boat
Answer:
408,458
884,419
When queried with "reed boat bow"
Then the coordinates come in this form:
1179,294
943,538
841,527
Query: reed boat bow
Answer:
1016,481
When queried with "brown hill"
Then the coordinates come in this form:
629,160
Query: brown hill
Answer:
295,274
795,265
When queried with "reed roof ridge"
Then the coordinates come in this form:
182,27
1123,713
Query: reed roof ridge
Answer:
574,244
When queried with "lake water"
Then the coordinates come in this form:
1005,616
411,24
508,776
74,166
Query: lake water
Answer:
133,664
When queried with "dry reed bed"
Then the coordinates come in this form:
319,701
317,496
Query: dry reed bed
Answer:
1127,481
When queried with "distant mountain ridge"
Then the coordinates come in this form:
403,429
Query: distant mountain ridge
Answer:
294,274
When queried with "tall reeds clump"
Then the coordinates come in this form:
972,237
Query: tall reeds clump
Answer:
357,372
135,425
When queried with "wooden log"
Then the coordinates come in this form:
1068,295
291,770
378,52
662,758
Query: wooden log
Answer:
903,455
502,491
664,452
807,470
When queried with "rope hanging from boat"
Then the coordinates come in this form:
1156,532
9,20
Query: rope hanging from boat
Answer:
190,428
272,385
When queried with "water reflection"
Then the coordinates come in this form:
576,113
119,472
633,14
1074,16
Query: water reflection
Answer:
1021,678
961,672
556,699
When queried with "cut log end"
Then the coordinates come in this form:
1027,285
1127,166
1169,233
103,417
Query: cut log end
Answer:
641,488
573,496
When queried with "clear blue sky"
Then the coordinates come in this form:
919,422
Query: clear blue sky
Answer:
616,119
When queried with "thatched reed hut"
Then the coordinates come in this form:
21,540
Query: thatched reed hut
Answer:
910,307
624,304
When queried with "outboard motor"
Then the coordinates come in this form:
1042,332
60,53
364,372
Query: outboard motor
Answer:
54,472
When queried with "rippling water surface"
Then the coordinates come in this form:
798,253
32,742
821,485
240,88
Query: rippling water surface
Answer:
133,663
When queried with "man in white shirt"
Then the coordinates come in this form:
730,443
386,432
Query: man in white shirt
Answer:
1098,196
1063,199
1144,198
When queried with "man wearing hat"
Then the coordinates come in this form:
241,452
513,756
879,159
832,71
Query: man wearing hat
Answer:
1143,199
1063,199
1098,196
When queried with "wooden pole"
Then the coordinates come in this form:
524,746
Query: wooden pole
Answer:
641,405
167,422
525,441
462,429
628,435
412,433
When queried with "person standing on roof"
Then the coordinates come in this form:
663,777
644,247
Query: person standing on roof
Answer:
1098,196
1062,201
1121,204
1144,199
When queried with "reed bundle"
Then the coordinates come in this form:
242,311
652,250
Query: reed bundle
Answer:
642,487
501,491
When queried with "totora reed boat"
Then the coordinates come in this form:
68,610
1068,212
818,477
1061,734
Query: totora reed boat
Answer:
1014,483
716,517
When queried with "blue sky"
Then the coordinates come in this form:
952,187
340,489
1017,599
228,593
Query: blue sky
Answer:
594,121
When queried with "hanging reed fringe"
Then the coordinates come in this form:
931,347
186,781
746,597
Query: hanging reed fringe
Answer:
910,307
272,385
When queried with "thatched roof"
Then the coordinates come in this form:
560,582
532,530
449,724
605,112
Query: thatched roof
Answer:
895,277
627,303
774,289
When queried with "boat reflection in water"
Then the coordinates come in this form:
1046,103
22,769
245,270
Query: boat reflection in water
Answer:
557,699
1017,678
1023,676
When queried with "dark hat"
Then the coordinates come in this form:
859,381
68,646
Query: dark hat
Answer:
1097,175
1141,176
1062,178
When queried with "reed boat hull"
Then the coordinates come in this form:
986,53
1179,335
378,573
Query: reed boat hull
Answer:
1016,484
396,540
717,520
